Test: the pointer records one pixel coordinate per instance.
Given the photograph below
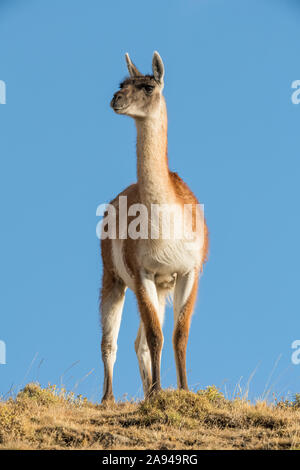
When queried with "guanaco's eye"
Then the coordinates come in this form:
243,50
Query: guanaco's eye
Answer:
148,89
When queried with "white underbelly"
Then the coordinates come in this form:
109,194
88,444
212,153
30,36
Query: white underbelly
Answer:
165,259
170,257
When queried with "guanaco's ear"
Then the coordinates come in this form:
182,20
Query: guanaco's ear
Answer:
158,68
133,71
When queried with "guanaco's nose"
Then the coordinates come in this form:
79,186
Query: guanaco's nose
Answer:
117,99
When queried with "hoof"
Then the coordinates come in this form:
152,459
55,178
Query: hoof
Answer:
108,399
153,390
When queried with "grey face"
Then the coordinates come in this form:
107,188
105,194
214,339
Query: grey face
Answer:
139,95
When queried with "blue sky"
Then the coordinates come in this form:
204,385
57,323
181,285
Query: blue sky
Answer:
233,137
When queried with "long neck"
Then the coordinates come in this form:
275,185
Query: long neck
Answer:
152,161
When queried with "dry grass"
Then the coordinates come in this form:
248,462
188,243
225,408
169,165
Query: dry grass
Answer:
52,419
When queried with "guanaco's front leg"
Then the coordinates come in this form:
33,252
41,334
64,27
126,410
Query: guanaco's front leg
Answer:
148,302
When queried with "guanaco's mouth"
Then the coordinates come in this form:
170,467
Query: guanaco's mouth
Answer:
119,109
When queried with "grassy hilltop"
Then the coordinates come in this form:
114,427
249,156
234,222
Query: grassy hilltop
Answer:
54,419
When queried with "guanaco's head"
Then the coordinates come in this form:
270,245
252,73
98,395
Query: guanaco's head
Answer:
140,95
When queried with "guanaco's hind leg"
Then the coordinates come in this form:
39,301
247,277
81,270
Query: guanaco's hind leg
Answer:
144,358
142,349
112,301
184,301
